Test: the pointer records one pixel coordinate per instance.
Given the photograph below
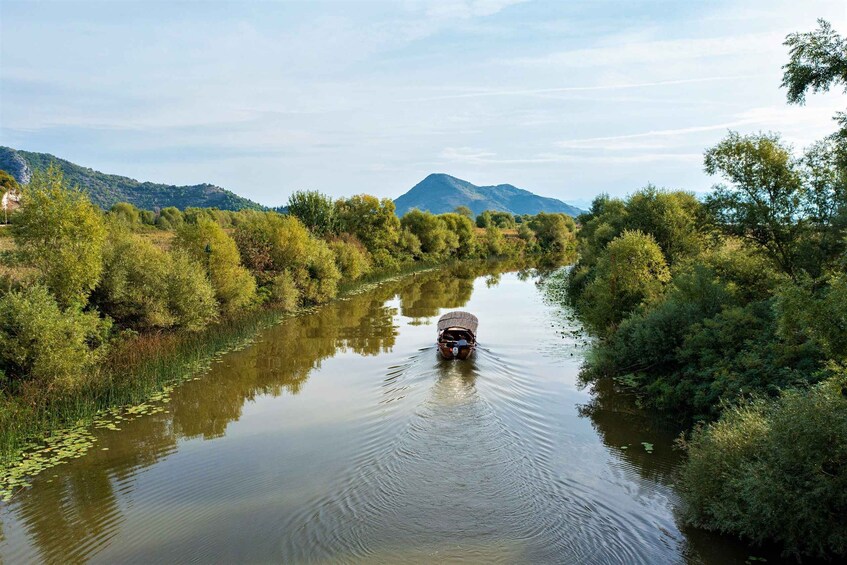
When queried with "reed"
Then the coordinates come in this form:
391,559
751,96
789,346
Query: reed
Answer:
139,366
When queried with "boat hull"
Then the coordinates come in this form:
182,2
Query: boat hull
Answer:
446,351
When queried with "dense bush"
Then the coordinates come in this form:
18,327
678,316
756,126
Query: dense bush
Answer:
372,221
169,218
41,342
775,470
60,233
209,245
554,233
144,287
315,210
435,236
632,272
126,213
351,258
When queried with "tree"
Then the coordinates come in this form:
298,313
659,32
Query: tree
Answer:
484,219
209,245
763,201
170,218
431,231
126,212
145,287
631,271
371,220
554,233
61,234
462,226
464,211
672,218
817,61
40,341
315,210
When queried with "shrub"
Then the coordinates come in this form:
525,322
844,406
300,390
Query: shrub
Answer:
41,342
315,210
631,271
351,258
170,218
554,233
430,231
320,282
191,298
209,245
775,470
371,220
126,213
133,288
144,287
284,292
61,234
463,228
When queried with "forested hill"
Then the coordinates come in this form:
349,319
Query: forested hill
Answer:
105,190
440,193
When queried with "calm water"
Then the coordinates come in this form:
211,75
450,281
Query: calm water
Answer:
341,437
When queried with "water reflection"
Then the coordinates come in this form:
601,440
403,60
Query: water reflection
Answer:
388,454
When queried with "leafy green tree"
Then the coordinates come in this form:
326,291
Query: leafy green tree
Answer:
503,220
41,342
371,220
554,233
169,218
146,288
632,271
773,471
351,257
191,298
126,213
431,231
462,226
672,218
764,196
464,211
147,217
209,245
61,234
818,60
493,243
315,210
484,219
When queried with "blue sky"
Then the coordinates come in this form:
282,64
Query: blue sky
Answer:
567,99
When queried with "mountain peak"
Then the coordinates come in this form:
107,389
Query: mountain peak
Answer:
440,193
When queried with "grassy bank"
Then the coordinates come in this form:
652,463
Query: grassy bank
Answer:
140,366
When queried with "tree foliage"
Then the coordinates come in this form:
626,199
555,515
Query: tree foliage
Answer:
315,210
61,234
209,245
39,341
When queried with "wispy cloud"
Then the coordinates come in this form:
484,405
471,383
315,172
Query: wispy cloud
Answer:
564,89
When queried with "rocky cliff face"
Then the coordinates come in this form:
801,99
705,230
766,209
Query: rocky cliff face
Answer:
13,163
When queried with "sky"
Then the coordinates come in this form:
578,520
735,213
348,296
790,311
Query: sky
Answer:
567,99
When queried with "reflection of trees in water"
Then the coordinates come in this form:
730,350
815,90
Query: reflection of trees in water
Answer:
69,519
619,422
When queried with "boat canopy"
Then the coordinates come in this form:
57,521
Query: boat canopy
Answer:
458,319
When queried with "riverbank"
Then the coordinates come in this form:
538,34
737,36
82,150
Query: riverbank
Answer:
140,366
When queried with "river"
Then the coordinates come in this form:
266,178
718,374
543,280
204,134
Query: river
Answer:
340,436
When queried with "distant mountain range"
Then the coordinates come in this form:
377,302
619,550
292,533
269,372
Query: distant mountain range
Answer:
440,193
106,190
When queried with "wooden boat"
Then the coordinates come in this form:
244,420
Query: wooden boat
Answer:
457,335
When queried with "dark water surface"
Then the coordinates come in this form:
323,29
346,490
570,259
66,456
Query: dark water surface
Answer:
341,437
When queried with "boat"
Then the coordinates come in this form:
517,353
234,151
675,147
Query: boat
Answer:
457,335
